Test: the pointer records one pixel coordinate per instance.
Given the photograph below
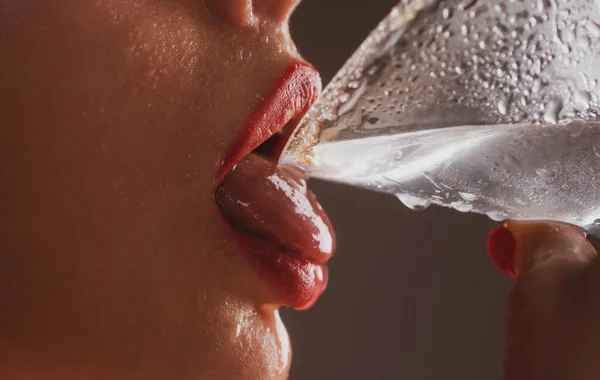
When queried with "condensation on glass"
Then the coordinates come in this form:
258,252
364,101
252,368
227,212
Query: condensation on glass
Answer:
484,106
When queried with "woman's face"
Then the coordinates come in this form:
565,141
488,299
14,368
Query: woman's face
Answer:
118,121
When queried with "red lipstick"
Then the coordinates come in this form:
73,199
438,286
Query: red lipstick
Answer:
295,92
276,221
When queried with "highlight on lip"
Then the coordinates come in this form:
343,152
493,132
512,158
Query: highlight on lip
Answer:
268,201
280,226
303,207
276,221
295,92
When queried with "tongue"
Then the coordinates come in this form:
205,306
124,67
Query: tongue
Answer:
275,203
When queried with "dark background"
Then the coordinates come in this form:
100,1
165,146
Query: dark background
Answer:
412,295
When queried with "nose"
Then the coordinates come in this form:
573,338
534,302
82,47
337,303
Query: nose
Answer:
245,13
276,10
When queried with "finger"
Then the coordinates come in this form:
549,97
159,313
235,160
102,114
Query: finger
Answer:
544,257
543,250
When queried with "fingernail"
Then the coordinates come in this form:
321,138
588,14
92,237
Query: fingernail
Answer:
501,247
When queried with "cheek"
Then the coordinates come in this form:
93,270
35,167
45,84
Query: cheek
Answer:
120,114
122,90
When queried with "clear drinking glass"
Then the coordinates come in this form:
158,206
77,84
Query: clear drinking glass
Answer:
485,106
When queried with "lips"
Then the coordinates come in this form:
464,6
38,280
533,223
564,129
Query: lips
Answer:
278,223
295,92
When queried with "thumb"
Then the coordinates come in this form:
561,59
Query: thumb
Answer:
539,250
543,257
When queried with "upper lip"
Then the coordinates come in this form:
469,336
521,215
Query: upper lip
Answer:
295,92
277,222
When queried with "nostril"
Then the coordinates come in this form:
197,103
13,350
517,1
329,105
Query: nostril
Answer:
277,10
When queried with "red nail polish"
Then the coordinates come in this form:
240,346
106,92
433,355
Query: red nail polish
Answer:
501,247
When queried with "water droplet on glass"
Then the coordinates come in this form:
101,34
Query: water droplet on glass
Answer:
353,84
359,90
464,29
462,206
584,42
552,111
510,159
413,203
536,86
398,155
582,98
497,216
468,196
593,28
545,173
446,13
577,128
503,106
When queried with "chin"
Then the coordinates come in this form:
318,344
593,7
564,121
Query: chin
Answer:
253,345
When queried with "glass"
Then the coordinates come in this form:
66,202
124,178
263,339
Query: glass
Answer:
484,106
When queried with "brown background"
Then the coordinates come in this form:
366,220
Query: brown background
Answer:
412,295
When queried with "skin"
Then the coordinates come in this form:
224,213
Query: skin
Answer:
114,114
552,328
113,264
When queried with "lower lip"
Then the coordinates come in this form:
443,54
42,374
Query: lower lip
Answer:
295,281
